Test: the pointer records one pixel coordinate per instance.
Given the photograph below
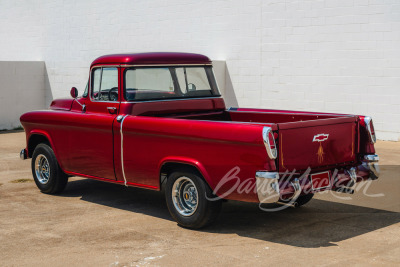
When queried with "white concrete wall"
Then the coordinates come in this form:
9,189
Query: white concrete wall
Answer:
23,87
322,55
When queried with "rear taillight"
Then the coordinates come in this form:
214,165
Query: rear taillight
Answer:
370,128
269,142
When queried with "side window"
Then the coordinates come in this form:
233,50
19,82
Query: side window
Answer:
96,76
105,84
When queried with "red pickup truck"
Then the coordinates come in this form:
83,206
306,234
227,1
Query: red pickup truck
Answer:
157,121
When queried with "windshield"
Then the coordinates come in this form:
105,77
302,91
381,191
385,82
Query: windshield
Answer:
150,83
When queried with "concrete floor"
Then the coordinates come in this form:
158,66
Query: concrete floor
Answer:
97,224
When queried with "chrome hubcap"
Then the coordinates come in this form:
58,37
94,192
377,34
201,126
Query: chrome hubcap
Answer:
42,169
184,196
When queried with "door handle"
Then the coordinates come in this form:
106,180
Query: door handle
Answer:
112,110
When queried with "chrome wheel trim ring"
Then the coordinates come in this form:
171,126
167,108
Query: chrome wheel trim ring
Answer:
42,169
185,196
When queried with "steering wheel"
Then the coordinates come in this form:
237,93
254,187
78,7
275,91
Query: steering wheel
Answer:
113,96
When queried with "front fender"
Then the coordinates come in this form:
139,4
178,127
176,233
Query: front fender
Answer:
47,136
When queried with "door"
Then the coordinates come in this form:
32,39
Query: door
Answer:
91,136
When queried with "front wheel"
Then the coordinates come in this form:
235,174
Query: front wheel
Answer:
186,196
48,176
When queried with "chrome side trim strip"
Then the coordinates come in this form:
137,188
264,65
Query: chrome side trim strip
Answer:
122,148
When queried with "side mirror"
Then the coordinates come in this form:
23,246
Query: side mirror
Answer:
74,92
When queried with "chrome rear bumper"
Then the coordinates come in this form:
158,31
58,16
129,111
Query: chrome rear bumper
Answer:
269,191
370,164
268,187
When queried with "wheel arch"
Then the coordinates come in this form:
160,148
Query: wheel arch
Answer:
37,137
171,164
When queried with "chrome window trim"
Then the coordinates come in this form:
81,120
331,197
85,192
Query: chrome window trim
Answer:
158,65
368,121
90,82
272,153
173,99
162,65
103,66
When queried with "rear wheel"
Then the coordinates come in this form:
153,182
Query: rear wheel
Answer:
48,176
186,199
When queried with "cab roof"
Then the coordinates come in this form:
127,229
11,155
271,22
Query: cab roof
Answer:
154,58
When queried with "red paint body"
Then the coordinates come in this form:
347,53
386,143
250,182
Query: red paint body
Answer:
199,132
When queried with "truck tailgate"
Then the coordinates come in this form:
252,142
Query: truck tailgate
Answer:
317,143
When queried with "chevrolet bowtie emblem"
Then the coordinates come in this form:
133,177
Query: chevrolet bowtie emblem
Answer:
320,138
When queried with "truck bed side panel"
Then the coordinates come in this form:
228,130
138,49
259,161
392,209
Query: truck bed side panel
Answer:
218,146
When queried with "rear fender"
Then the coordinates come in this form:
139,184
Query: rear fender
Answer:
187,161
